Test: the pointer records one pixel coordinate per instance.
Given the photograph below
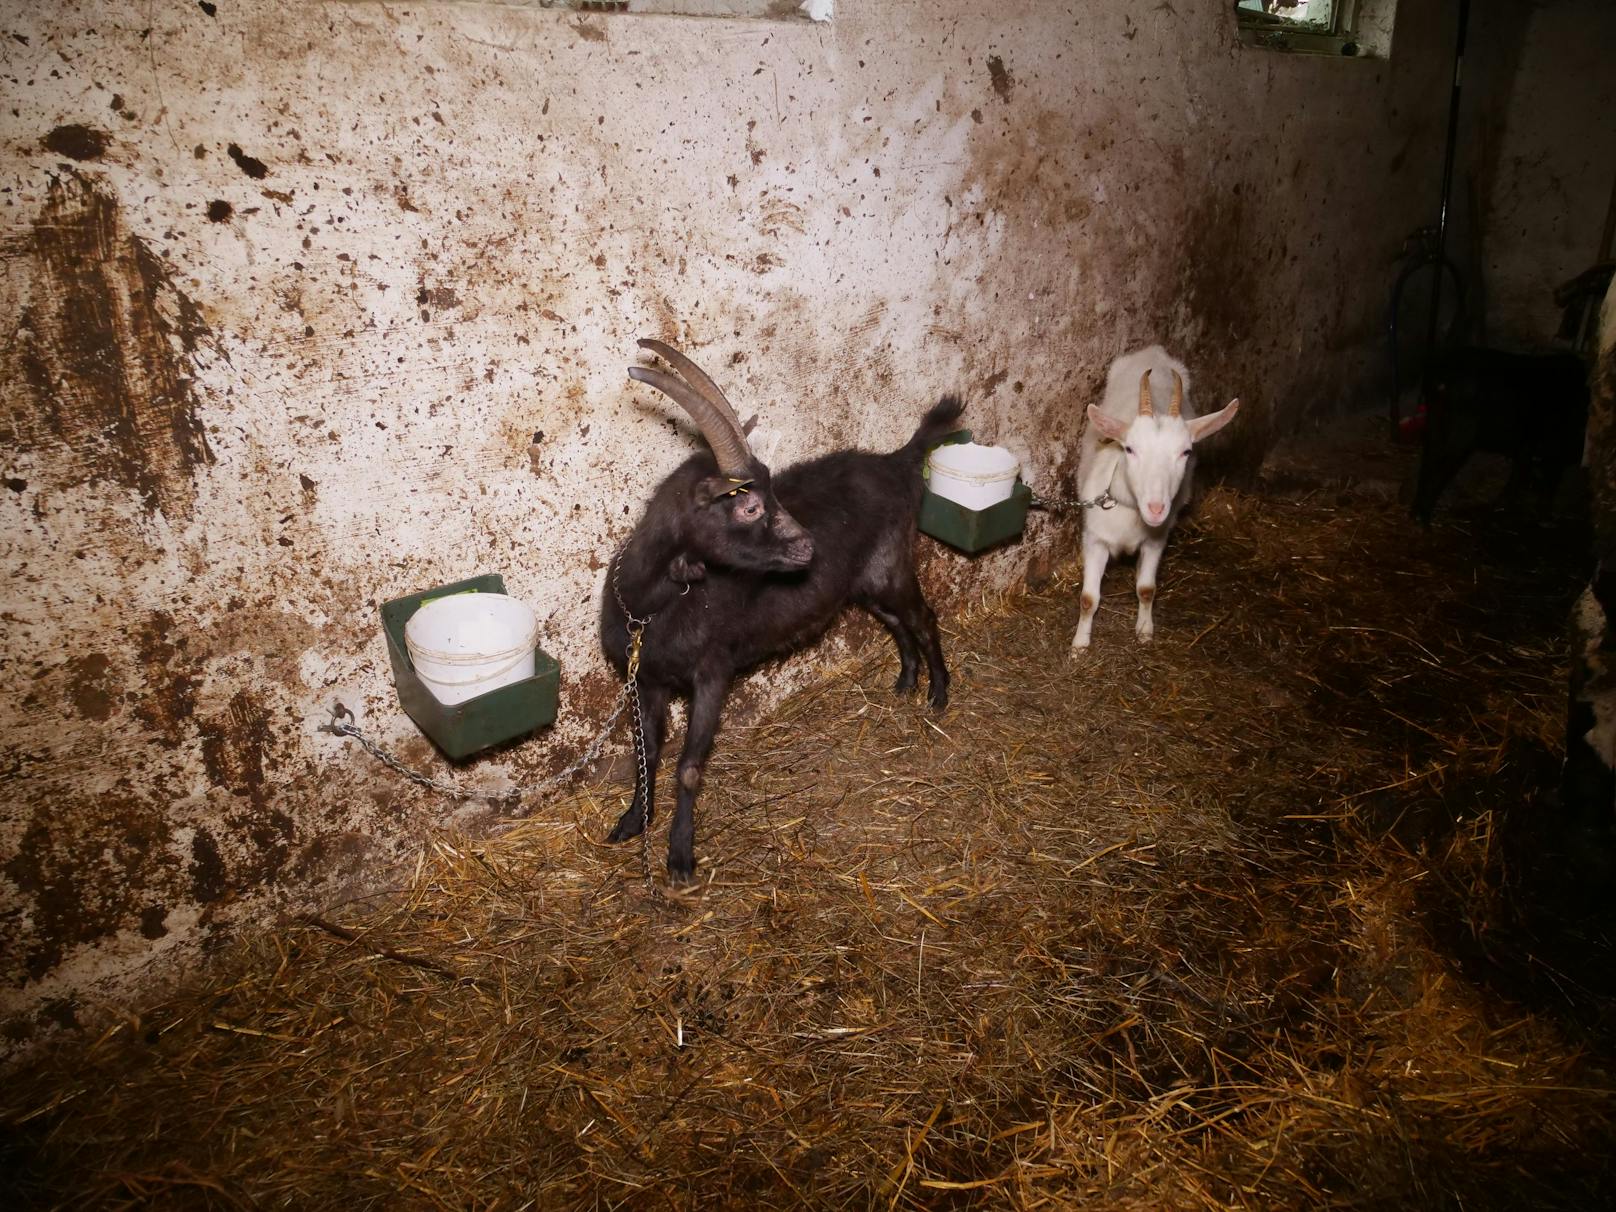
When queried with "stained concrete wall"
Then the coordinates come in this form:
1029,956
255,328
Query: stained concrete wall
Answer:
290,288
1551,188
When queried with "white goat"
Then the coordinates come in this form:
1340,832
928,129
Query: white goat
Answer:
1142,459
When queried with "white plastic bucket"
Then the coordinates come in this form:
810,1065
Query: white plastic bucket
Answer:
467,644
975,476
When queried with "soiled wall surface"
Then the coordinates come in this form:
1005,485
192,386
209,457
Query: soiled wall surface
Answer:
290,288
1556,167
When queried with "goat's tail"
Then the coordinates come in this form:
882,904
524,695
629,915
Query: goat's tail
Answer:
937,424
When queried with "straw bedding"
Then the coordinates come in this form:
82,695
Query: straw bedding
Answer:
1277,912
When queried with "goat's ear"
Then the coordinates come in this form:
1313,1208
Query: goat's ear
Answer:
1205,427
684,570
712,488
1109,426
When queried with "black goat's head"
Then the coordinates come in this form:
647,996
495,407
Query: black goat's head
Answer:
732,517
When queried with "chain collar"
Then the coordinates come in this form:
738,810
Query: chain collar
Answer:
636,625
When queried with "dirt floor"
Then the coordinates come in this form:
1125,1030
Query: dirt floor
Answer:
1277,912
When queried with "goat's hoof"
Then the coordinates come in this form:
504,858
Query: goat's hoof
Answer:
681,870
906,683
628,825
938,700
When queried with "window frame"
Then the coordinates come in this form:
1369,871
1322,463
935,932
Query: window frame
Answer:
1269,31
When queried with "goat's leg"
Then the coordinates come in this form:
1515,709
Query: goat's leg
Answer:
908,603
1437,469
1150,554
1448,444
1538,475
654,726
1095,557
705,705
908,650
923,622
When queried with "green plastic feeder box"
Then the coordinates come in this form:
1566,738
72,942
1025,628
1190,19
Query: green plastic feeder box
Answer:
463,728
973,530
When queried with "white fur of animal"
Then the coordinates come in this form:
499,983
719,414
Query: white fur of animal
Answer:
1139,446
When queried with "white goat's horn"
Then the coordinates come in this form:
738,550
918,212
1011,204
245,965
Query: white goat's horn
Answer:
1145,407
1178,395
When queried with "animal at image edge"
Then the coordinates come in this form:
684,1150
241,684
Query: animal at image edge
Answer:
1532,408
1139,447
731,564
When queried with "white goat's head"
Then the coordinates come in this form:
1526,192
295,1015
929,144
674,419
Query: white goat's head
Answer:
1156,449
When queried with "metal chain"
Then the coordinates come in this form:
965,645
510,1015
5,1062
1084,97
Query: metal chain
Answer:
642,776
630,697
340,727
1071,505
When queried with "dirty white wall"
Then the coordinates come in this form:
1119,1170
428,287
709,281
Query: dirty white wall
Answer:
289,287
1552,188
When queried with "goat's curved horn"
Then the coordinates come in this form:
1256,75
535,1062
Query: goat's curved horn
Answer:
1146,409
696,377
734,457
1178,395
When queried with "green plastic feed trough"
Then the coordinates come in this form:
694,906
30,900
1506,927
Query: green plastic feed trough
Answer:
973,530
476,723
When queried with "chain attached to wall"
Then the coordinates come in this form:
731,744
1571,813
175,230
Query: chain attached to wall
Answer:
629,697
346,727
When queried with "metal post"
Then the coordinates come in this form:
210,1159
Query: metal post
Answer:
1447,187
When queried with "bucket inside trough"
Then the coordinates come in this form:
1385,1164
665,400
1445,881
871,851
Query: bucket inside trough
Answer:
467,644
976,477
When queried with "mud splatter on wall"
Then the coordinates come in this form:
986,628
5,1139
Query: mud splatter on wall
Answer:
308,306
103,350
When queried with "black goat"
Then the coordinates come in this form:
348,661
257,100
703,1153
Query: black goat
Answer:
1531,407
730,566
